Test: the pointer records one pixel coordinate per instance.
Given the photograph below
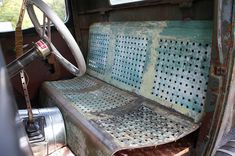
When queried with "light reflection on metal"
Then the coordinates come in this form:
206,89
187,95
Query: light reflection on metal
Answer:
54,130
65,151
117,2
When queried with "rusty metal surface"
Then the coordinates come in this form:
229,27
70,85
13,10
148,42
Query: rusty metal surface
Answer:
165,61
82,138
178,148
143,127
38,71
220,80
116,118
134,56
90,12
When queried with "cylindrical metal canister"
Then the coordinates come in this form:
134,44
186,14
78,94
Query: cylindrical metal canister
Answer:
53,127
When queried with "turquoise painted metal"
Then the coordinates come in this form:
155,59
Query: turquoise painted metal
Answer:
123,119
167,62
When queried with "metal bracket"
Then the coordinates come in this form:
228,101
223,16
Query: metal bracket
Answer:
35,131
26,95
220,70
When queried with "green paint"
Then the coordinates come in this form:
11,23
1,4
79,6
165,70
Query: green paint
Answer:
122,67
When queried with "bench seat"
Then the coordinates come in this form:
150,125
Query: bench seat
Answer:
145,86
119,119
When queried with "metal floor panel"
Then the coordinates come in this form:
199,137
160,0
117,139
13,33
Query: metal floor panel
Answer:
127,120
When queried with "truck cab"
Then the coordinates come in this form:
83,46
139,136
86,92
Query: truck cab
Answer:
121,78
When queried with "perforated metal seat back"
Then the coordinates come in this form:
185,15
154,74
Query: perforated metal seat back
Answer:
167,62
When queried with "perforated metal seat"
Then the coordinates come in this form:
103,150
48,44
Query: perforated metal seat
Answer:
128,120
154,80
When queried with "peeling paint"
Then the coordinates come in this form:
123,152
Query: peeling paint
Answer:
124,72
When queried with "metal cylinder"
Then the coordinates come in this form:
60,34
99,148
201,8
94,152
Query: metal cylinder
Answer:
54,130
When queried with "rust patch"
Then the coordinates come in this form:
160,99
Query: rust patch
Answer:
178,148
220,70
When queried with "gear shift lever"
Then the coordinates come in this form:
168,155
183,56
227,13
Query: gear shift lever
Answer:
33,126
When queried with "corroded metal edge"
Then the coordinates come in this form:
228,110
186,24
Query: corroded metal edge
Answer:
89,131
76,124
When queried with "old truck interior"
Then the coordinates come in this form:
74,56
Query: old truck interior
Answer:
122,78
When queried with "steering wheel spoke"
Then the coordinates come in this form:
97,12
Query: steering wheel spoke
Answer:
46,28
64,61
44,31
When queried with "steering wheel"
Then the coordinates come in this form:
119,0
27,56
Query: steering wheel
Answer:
49,17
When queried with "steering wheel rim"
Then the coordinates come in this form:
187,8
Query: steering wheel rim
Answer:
50,16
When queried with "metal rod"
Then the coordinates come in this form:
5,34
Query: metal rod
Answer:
26,95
